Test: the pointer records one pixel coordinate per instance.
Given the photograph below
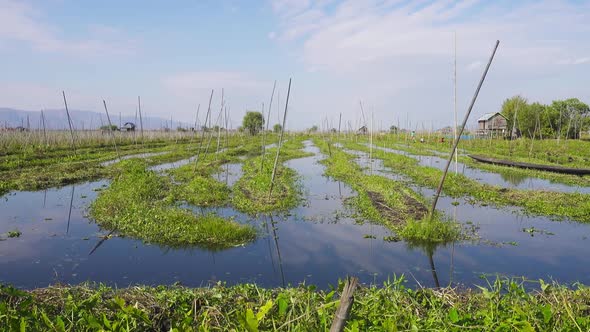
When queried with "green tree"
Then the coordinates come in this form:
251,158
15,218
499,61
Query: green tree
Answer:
253,122
313,129
277,128
569,117
510,106
107,128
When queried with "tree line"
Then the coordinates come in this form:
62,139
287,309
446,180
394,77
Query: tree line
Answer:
562,118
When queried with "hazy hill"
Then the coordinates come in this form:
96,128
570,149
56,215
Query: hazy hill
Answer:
57,119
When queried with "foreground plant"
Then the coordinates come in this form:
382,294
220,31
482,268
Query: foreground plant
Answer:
504,305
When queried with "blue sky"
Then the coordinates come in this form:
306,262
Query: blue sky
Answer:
396,56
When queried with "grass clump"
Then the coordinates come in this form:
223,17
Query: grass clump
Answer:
139,204
430,230
503,305
14,233
204,191
251,191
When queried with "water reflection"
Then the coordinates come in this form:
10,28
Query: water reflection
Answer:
317,242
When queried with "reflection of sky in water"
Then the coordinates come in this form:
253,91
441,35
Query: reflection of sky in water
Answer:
137,155
315,242
504,179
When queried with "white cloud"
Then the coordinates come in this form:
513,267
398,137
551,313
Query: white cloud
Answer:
574,61
21,22
393,53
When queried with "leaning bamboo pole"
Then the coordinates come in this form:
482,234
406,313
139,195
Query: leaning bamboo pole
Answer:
274,169
442,180
203,132
267,124
111,129
69,122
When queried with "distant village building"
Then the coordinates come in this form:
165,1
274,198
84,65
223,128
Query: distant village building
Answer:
492,124
362,130
128,126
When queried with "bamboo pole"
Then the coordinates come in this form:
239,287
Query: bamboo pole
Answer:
442,180
274,169
267,124
140,121
111,128
346,301
203,131
69,122
455,103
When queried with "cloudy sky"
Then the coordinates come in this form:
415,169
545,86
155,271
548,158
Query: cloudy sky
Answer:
395,56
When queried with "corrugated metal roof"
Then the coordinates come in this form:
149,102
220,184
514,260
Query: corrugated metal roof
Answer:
487,116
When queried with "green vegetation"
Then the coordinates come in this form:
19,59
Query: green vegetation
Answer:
430,231
253,122
14,233
555,204
139,204
562,118
388,202
563,154
277,128
502,306
251,192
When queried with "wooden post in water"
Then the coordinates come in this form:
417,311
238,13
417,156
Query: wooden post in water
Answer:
346,301
274,169
442,180
111,129
69,122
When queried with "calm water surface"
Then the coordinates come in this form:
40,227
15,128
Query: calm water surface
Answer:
316,243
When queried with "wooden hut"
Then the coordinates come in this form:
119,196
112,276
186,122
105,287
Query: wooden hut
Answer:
128,126
492,124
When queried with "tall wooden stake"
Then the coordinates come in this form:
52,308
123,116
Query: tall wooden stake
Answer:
274,169
140,120
111,128
203,131
455,103
442,180
69,122
267,124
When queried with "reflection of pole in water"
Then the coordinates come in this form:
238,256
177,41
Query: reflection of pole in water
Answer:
70,213
451,270
272,258
226,174
432,268
340,189
44,197
278,250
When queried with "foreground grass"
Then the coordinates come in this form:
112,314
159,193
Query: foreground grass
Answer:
388,202
558,205
501,306
140,204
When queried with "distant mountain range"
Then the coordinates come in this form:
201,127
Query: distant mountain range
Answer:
57,119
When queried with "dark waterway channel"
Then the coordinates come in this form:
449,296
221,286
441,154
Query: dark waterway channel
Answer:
317,243
506,179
